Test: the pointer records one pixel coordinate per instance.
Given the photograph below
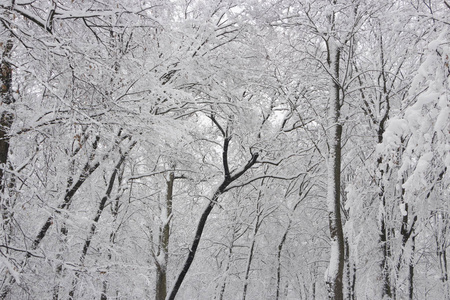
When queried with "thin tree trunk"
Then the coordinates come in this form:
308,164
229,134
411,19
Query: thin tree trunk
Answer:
194,246
411,267
229,258
406,232
313,284
350,273
6,121
334,275
64,229
100,209
7,116
87,171
228,179
384,234
161,264
59,256
441,224
280,249
386,290
252,247
112,236
227,268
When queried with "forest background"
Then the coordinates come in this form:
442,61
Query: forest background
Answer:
189,149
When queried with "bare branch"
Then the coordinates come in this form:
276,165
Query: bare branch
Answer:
264,177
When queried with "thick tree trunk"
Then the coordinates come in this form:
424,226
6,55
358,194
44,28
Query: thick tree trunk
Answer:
161,283
334,275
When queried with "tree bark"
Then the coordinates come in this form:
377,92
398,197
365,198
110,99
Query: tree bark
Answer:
334,275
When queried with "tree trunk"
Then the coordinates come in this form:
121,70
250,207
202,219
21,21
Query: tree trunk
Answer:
227,268
59,256
406,231
386,290
280,249
6,120
161,264
442,224
350,273
384,230
229,258
7,116
411,268
228,179
252,247
100,209
334,274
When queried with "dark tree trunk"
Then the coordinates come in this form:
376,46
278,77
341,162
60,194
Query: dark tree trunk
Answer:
335,271
386,290
350,273
97,216
6,120
411,268
228,179
7,116
280,249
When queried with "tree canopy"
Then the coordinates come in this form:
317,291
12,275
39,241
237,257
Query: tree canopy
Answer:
224,149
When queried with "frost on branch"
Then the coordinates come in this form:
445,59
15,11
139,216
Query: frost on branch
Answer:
421,133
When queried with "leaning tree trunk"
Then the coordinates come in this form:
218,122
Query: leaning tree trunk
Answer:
229,177
334,274
96,219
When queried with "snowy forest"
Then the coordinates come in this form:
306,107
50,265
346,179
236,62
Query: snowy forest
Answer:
224,149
